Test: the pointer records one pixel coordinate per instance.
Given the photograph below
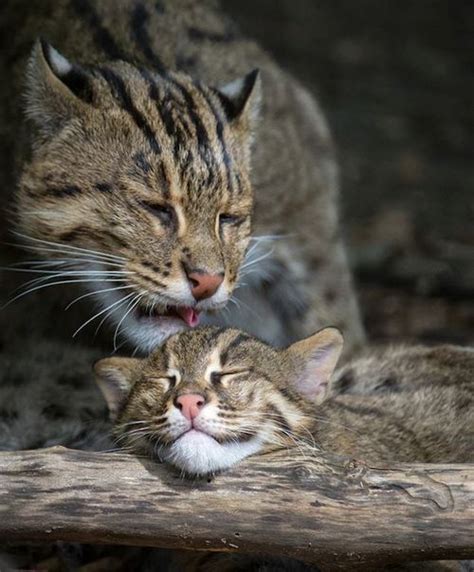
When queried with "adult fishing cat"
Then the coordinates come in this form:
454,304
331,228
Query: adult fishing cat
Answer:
136,171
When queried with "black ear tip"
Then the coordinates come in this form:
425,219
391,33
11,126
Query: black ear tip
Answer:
251,79
43,45
255,74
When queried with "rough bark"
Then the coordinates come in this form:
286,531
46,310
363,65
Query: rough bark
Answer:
321,509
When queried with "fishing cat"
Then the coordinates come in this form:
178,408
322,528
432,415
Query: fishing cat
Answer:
402,403
211,397
149,156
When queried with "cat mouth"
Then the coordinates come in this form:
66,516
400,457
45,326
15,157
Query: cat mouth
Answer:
190,316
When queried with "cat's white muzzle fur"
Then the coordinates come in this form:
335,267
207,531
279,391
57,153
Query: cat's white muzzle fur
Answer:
197,453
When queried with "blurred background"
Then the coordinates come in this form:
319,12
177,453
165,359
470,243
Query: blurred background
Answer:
396,80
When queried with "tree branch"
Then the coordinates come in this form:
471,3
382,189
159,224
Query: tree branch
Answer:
320,509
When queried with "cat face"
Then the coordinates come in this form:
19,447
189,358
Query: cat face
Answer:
211,397
141,182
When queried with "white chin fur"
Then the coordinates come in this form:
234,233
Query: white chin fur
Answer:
147,334
196,453
141,332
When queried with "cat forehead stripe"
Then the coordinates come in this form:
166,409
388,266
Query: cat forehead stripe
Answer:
168,95
121,94
220,138
239,339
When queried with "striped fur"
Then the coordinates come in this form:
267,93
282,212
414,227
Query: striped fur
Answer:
258,398
126,118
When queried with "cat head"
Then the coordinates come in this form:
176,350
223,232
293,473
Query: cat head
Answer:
141,182
210,397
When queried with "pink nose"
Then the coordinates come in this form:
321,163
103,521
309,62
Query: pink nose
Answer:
190,404
204,285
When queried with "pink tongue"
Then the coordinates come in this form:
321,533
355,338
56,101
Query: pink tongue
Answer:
189,315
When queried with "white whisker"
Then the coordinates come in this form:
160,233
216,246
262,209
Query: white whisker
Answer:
101,312
68,247
95,293
133,304
57,284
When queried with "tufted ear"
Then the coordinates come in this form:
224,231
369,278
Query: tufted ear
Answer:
242,97
56,89
315,359
115,377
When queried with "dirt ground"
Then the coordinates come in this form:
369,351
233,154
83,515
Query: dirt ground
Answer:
395,80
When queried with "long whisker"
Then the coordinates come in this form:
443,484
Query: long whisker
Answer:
57,284
268,237
79,255
256,260
133,304
102,312
95,293
67,272
65,262
48,277
67,246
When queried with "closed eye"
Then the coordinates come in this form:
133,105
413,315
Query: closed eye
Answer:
167,381
165,213
223,376
227,218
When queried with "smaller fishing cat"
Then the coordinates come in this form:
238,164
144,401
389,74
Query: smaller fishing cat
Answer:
211,397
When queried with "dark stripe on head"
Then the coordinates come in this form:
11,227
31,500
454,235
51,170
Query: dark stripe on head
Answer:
163,106
85,10
66,191
103,187
220,136
179,131
239,339
166,119
141,37
141,162
201,133
213,335
121,94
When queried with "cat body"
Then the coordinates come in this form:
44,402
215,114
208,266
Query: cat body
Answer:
150,180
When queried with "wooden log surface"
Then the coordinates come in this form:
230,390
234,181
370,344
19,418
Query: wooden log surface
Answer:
320,509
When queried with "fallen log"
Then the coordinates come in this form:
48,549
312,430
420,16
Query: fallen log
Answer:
321,509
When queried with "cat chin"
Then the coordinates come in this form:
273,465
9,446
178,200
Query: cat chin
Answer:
148,334
198,454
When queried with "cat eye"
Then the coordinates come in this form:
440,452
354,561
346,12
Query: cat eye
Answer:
167,381
164,212
226,218
220,376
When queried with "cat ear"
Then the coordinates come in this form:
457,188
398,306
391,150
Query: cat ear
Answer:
242,97
115,378
315,359
56,89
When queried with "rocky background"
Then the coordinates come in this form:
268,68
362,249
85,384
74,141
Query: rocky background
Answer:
396,82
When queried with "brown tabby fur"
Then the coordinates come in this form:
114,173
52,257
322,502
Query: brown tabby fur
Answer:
96,155
398,404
